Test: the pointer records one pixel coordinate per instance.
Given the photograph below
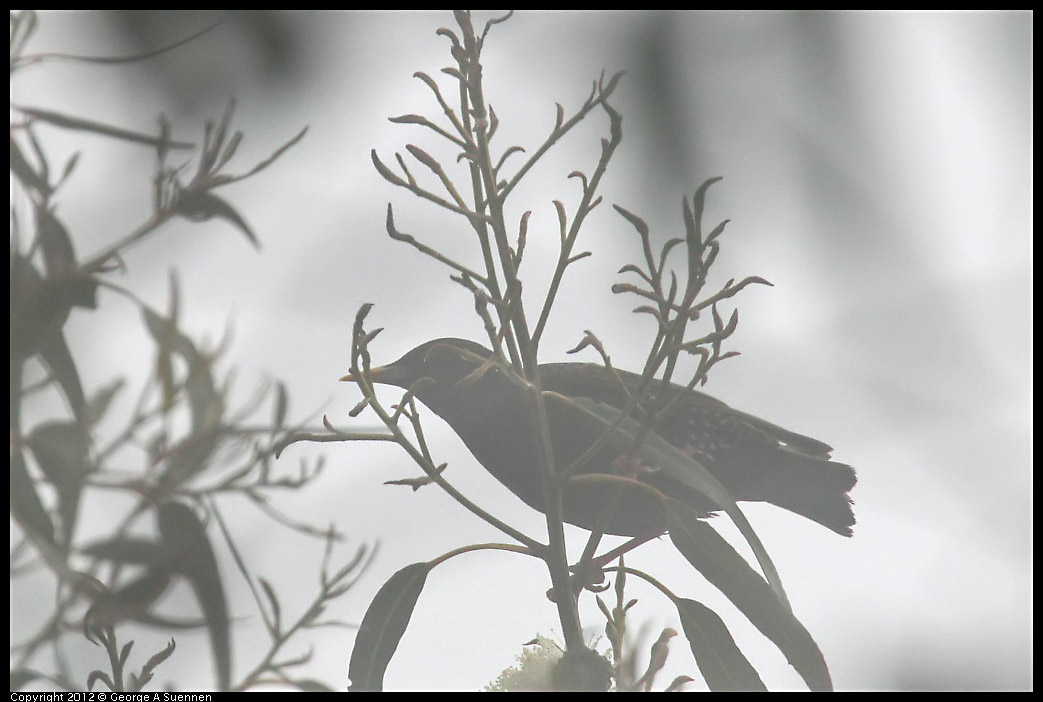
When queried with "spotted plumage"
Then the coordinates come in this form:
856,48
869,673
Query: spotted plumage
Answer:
755,460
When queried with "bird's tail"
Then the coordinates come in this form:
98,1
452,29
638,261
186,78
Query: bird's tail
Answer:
813,487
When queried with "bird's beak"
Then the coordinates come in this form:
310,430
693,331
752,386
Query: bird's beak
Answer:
374,373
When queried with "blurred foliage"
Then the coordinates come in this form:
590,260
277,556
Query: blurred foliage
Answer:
266,43
180,454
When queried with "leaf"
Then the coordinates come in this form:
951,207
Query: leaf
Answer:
383,625
95,676
125,652
23,24
20,677
164,332
631,268
677,682
723,665
659,452
692,234
699,203
203,398
282,402
128,550
273,602
60,449
494,21
384,171
99,402
162,622
67,170
36,312
729,572
39,309
635,221
130,601
56,355
410,119
76,123
717,231
201,205
185,537
25,503
25,173
58,254
222,179
155,660
424,158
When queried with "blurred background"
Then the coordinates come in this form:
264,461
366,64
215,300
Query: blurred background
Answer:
877,169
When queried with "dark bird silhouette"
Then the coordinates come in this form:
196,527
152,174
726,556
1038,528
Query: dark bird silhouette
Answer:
755,460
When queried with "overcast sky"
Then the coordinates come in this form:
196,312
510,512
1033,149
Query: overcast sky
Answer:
877,169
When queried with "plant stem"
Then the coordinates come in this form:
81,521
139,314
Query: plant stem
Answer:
556,556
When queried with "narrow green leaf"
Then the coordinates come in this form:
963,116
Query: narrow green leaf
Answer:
77,123
130,601
36,312
717,231
58,254
676,683
163,144
222,179
638,223
25,173
55,353
691,232
409,119
164,333
204,401
282,402
424,158
185,536
23,24
699,204
383,626
201,205
128,550
723,665
659,452
95,676
384,171
161,622
98,403
68,168
273,602
729,572
125,652
60,449
25,503
39,309
158,658
23,676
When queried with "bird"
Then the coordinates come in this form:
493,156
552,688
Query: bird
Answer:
755,460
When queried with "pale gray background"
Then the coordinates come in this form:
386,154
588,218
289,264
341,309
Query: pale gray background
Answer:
877,170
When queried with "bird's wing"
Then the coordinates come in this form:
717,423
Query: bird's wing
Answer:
813,448
596,382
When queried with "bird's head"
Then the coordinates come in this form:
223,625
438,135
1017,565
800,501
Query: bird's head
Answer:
446,361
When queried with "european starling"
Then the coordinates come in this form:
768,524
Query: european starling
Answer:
755,460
